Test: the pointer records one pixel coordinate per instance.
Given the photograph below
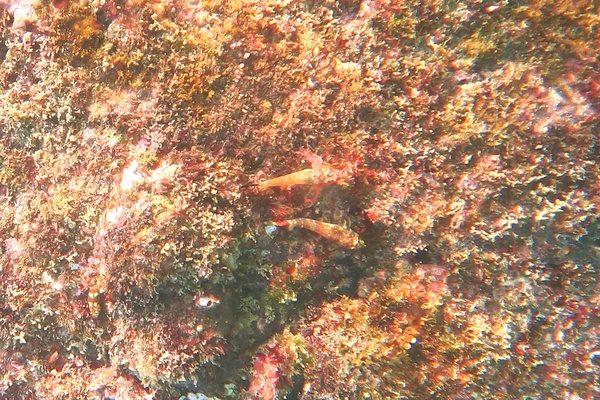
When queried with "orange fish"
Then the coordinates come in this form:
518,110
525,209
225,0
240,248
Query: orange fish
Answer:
320,174
343,236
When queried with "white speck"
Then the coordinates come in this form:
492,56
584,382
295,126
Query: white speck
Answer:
130,176
113,215
197,396
270,229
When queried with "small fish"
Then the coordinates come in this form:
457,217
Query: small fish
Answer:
343,236
206,301
320,174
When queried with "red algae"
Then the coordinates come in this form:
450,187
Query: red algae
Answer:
458,141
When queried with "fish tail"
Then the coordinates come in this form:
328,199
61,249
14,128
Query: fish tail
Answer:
284,224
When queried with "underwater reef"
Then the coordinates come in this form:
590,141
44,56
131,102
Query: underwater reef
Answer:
438,162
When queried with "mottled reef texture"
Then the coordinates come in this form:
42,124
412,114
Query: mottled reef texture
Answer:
136,255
